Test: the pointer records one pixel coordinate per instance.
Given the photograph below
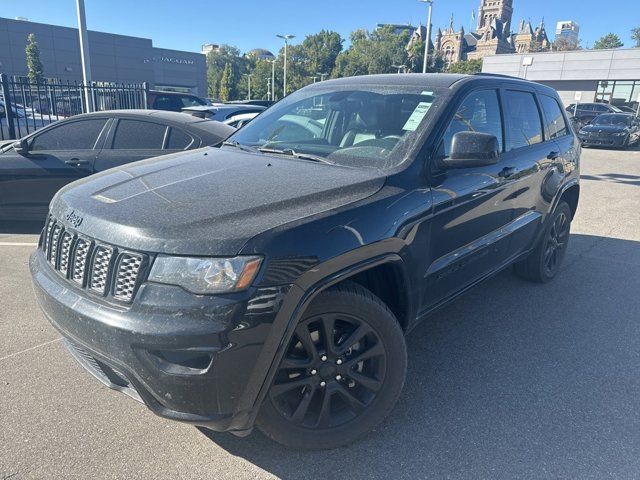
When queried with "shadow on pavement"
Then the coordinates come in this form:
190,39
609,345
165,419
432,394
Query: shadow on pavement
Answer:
11,227
513,380
622,178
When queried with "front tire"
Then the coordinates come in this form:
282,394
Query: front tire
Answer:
543,263
341,375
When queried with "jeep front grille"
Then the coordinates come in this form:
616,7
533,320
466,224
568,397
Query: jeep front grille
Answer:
96,266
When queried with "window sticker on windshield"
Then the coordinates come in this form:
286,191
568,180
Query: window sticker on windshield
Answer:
427,93
417,116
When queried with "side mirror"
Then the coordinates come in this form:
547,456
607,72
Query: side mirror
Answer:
472,149
21,147
2,110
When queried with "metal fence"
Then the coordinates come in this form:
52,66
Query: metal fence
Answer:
26,106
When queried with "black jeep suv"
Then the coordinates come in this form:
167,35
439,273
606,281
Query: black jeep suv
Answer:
272,280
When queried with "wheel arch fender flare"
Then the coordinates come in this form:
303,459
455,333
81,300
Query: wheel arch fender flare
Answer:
299,297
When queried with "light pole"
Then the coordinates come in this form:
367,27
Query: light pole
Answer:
249,87
322,75
286,39
428,39
268,79
273,80
84,52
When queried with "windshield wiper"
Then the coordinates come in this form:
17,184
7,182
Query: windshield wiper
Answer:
234,144
292,153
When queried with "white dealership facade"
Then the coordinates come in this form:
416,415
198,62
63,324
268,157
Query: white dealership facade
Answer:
610,76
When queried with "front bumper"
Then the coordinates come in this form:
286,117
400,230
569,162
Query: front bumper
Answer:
190,358
608,141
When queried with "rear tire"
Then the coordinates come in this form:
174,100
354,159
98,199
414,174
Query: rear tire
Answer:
342,373
544,262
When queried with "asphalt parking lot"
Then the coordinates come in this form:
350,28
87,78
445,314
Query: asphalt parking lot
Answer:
514,380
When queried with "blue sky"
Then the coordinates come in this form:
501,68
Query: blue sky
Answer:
248,24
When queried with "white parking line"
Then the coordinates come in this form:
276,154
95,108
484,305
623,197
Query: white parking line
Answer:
18,244
30,348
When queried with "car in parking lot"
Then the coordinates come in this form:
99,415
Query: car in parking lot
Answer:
584,113
271,281
225,112
34,168
173,101
611,130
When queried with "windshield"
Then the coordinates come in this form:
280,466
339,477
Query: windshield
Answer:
364,126
621,120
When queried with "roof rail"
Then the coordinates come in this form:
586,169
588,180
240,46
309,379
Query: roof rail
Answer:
499,75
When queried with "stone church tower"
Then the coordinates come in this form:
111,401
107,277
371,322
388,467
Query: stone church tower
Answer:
492,37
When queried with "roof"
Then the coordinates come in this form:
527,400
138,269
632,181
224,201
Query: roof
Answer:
176,118
444,80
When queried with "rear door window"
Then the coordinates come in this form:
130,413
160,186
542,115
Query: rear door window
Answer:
78,135
524,127
139,135
179,140
555,124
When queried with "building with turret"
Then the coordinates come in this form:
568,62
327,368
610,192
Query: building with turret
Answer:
493,35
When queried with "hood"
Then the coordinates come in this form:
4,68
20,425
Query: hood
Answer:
604,128
208,201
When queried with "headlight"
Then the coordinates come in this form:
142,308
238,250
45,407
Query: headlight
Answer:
205,275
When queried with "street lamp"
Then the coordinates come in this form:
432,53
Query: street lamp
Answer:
249,88
273,80
428,40
286,39
268,79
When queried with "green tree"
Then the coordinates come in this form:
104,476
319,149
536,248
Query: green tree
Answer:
217,60
373,52
635,36
564,44
610,40
35,71
466,66
226,84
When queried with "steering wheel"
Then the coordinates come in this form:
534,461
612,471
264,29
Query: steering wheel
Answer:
392,137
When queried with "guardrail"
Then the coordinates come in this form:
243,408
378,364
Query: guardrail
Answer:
26,106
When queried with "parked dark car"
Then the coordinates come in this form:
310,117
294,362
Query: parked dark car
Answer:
272,281
173,101
260,103
224,112
34,168
586,112
611,130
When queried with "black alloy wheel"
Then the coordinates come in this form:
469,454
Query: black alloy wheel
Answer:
331,373
556,244
341,374
544,261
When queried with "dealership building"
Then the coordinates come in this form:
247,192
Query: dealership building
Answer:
610,76
114,58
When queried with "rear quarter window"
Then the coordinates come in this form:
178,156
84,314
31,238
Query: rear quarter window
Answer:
139,135
555,124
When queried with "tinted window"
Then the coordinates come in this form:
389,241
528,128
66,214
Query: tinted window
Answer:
179,140
80,135
523,120
600,108
167,102
555,124
134,134
192,102
479,112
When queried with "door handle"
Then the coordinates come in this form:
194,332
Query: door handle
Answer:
77,162
506,172
553,155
